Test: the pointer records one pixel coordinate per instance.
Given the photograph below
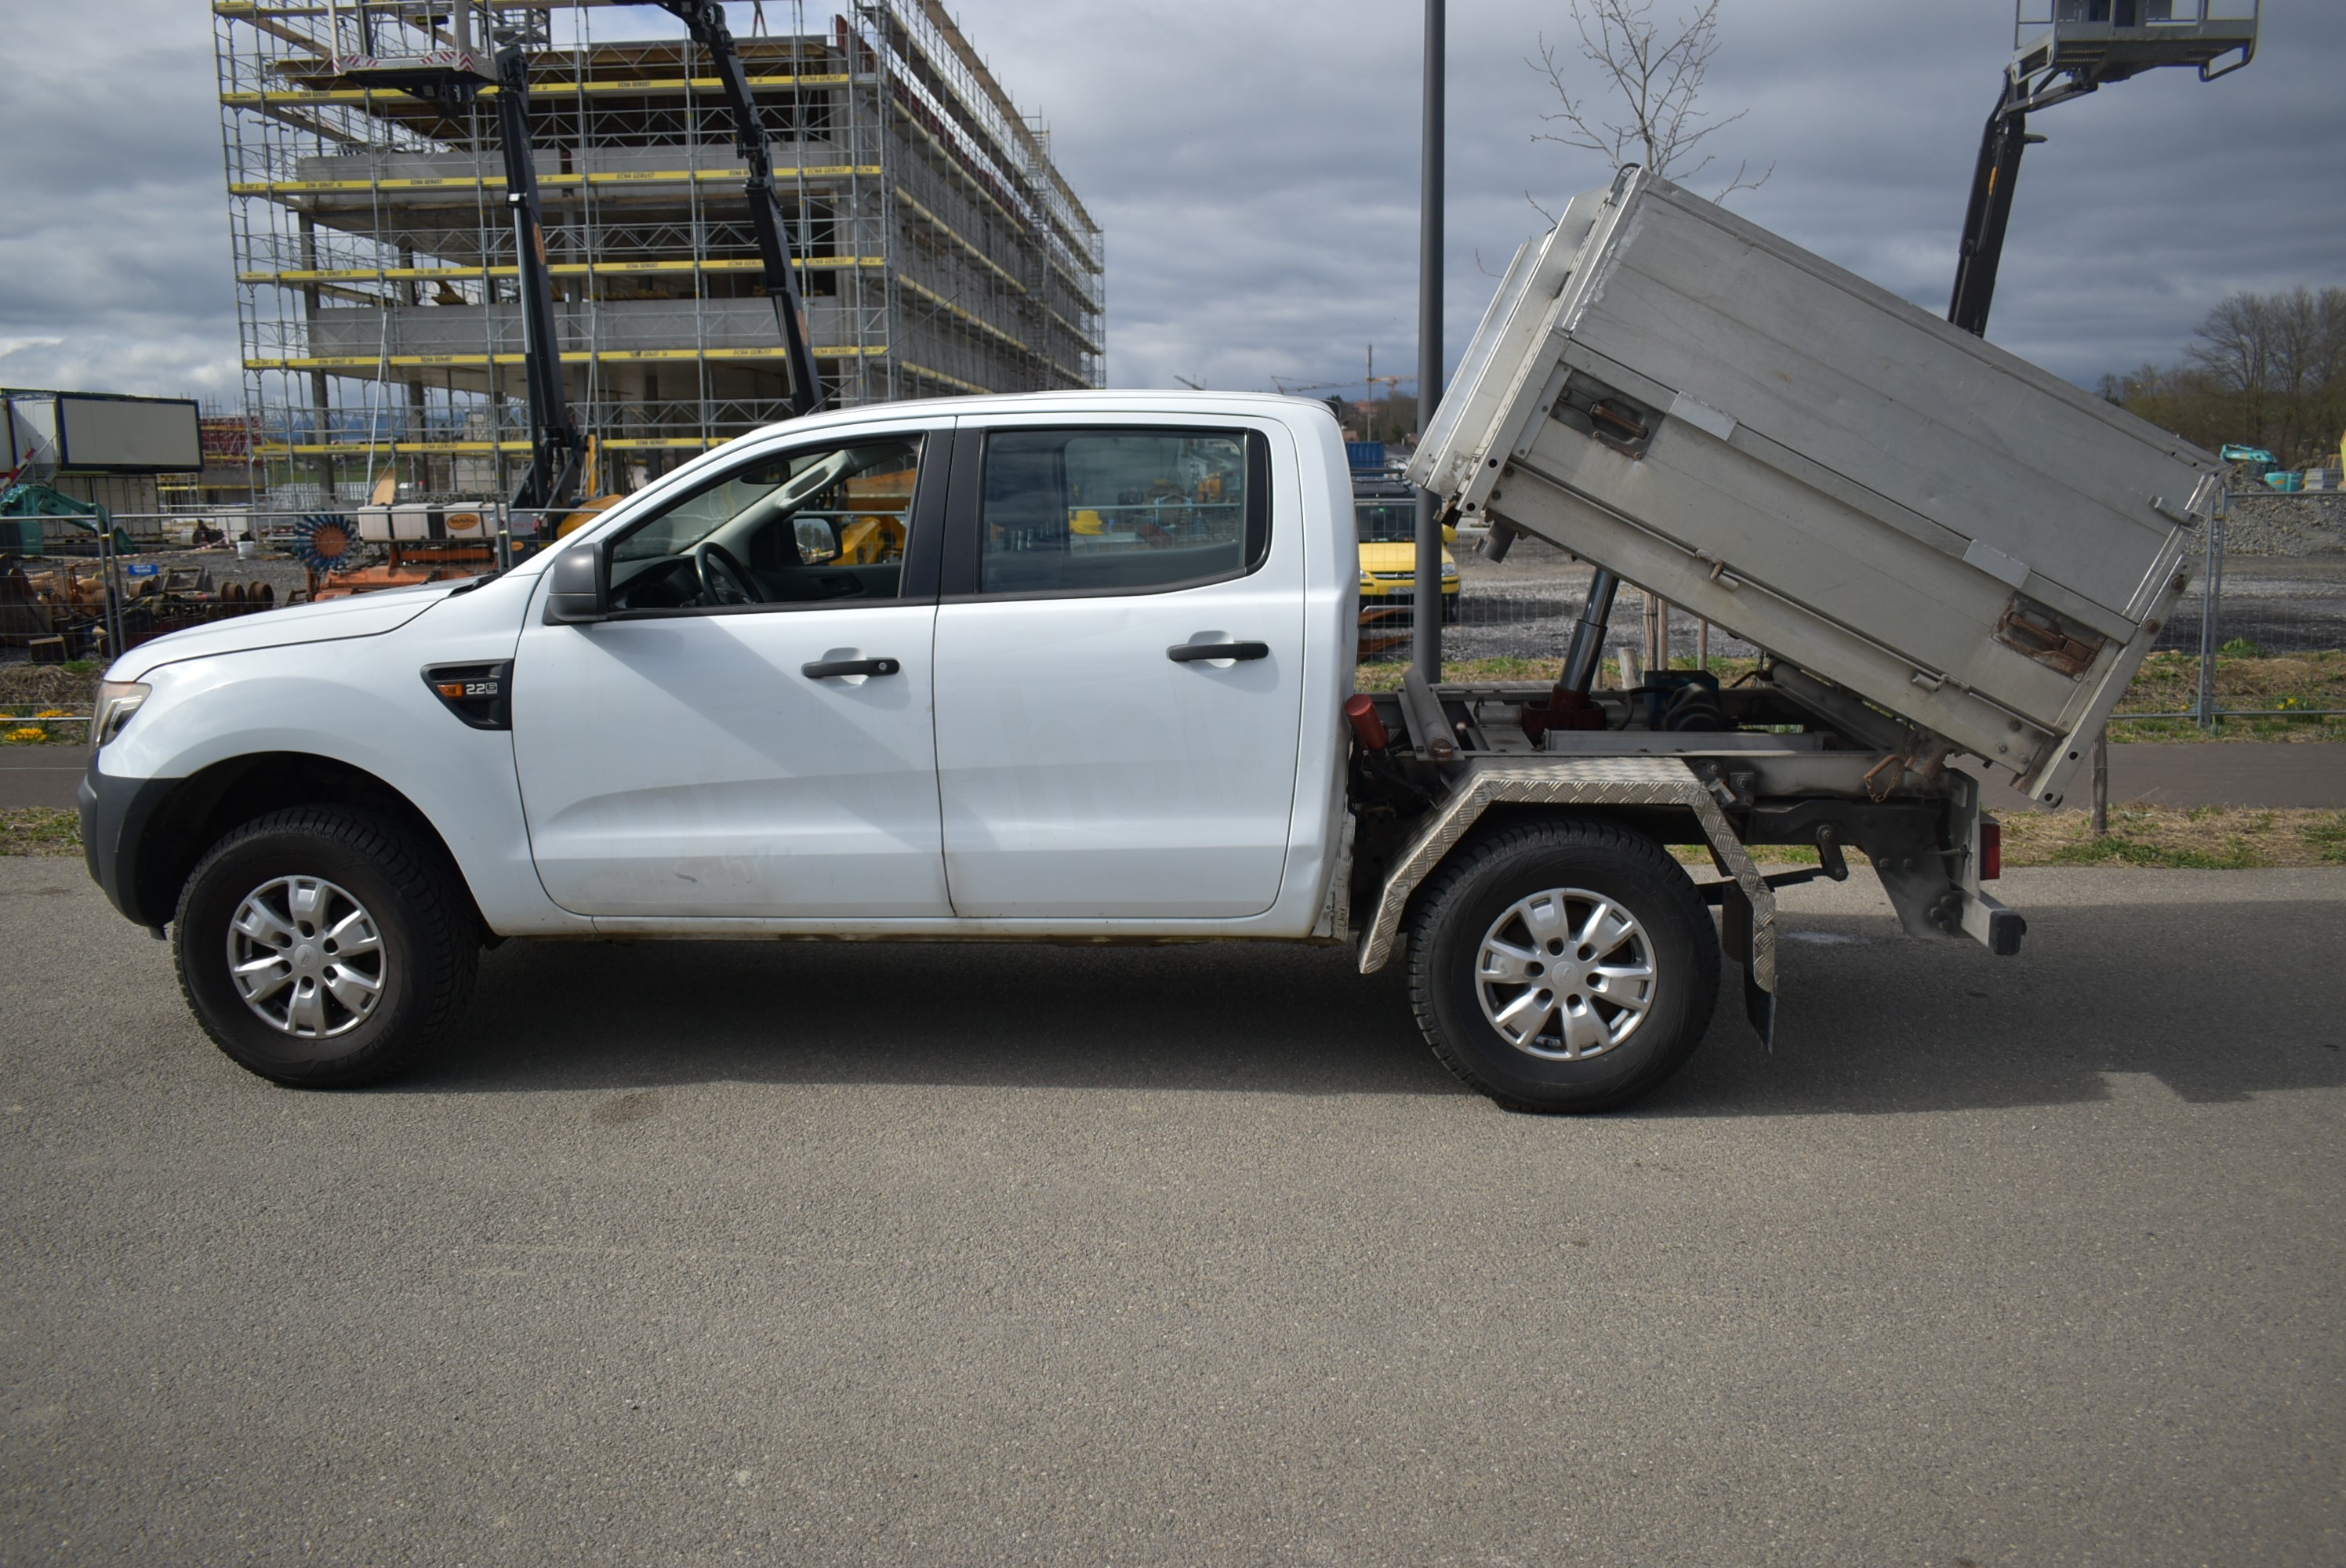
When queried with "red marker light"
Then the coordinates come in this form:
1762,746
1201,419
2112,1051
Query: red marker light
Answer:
1991,849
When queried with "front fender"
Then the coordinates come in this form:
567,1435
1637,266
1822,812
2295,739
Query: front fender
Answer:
361,702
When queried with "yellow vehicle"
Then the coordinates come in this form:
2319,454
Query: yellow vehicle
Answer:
1387,517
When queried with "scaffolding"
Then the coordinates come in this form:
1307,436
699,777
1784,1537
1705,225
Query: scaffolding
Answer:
940,250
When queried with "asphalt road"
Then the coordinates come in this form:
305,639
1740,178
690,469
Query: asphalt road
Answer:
973,1255
41,775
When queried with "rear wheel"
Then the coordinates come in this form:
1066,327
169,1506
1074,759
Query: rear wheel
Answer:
325,946
1562,965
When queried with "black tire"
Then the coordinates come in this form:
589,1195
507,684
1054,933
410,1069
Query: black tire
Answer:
426,941
1450,609
1485,883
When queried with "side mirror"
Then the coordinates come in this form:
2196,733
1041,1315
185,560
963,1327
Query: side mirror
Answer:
817,541
580,591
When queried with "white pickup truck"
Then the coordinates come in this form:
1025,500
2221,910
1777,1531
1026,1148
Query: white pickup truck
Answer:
1080,666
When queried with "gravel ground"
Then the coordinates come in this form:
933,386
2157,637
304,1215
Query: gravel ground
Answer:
2300,525
2283,603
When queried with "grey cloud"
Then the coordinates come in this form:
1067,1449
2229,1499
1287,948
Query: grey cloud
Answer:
115,270
1254,170
1261,217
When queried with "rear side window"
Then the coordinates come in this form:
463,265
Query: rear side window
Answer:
1121,511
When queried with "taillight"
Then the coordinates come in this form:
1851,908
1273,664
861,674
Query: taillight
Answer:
1991,849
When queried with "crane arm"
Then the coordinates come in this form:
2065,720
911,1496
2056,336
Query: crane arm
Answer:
556,451
706,21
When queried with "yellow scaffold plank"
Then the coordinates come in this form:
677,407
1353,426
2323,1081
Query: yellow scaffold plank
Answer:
496,182
985,326
605,356
944,380
559,270
270,99
395,448
467,448
982,325
904,198
1074,331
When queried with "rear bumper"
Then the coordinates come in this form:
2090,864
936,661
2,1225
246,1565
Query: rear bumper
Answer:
115,816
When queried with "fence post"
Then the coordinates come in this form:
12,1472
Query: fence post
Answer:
2211,604
2102,783
112,616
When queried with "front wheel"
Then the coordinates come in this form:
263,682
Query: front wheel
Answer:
1562,965
325,947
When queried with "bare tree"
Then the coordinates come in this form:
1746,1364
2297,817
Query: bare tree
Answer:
2289,344
1658,77
2263,370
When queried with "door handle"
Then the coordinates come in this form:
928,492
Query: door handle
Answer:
1191,653
823,669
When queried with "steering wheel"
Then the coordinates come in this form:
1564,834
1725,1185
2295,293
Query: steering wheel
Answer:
723,579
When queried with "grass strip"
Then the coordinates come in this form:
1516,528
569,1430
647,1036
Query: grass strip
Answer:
39,831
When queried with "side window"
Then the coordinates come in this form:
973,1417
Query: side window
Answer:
1121,511
810,526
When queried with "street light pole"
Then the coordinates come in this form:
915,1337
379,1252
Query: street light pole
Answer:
1425,608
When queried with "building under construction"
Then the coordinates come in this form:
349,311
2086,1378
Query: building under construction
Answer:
939,249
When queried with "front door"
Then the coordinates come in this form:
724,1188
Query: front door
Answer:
751,733
1119,671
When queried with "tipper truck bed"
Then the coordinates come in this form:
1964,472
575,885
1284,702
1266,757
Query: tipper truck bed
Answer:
1079,667
1866,491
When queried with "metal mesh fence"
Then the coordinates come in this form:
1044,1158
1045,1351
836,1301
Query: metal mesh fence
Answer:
2260,634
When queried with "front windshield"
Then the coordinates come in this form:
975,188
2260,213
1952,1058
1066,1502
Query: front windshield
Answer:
1386,520
827,482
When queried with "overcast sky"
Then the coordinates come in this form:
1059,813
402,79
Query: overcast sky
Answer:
1255,170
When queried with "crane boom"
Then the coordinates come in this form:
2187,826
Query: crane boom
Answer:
706,21
556,451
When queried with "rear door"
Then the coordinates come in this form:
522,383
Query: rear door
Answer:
1120,655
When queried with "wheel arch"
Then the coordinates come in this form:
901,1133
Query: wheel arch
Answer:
215,801
1664,825
1640,792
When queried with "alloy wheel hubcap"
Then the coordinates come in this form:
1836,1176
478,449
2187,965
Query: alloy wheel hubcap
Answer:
1566,974
306,957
